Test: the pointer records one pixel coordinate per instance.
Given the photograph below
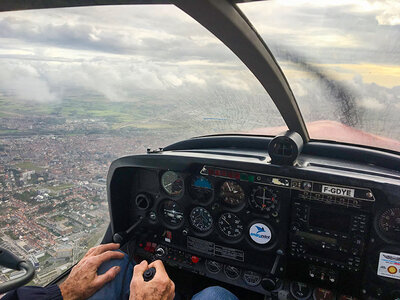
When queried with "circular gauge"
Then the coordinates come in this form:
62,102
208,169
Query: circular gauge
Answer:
171,213
389,223
201,219
231,272
172,183
230,225
213,266
300,291
232,193
264,199
201,189
251,278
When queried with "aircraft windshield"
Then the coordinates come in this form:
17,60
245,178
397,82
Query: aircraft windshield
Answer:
342,61
81,87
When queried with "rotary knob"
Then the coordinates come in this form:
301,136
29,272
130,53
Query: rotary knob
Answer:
160,252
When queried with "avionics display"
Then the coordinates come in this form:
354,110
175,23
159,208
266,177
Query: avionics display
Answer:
328,220
316,237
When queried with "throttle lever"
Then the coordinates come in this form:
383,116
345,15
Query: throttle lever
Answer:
122,236
149,274
279,254
271,282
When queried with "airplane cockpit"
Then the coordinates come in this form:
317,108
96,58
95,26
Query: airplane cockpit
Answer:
267,216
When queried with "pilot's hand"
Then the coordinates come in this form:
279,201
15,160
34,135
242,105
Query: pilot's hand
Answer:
158,288
83,280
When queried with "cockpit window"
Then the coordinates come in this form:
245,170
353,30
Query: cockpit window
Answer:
80,87
342,61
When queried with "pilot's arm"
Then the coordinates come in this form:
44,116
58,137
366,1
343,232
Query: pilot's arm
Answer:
82,282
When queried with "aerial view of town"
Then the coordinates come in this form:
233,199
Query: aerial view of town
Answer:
53,167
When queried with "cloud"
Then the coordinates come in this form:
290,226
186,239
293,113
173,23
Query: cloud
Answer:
371,103
25,82
328,31
160,55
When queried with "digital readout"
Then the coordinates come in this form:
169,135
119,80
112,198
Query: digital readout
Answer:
316,237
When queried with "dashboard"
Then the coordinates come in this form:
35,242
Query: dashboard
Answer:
309,231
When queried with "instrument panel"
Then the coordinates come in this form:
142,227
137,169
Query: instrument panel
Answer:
262,231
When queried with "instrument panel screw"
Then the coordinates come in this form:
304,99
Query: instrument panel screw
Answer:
152,216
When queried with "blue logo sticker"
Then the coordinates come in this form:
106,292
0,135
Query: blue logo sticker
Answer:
260,233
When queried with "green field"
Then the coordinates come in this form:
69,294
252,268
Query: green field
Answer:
27,165
89,108
59,188
117,115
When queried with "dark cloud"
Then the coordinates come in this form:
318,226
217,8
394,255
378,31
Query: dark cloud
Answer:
157,36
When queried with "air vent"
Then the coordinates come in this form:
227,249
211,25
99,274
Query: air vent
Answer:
142,201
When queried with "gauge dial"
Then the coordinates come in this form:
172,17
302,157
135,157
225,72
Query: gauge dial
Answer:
172,213
232,193
264,199
300,291
213,266
201,219
232,272
201,189
251,278
172,183
389,223
230,225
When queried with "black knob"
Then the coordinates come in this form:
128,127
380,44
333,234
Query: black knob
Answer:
160,252
149,274
268,284
119,237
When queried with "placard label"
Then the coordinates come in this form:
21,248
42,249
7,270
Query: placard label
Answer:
337,190
389,265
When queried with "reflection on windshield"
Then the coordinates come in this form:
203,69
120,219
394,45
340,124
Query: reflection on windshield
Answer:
342,61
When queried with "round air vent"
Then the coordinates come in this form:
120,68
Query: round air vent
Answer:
142,201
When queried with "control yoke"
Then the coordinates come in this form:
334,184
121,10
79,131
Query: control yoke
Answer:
9,260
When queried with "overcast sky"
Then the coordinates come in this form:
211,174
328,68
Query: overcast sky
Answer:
134,53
